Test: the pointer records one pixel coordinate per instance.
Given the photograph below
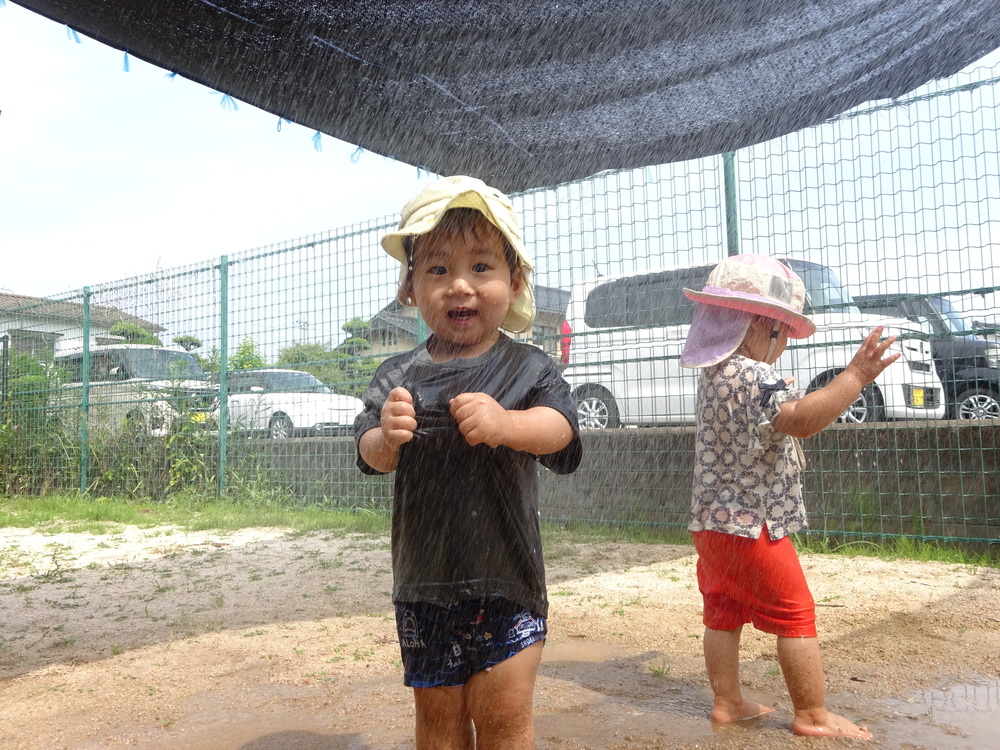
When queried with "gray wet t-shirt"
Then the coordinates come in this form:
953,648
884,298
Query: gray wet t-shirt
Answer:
465,518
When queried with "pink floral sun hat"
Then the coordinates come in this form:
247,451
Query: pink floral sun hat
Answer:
738,288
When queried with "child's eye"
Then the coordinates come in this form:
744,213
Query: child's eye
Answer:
437,270
481,267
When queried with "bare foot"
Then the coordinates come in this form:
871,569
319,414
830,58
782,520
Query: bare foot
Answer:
725,713
834,726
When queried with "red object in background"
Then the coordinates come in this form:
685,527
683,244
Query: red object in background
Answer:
567,333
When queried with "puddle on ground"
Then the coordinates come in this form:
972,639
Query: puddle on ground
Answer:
959,717
595,696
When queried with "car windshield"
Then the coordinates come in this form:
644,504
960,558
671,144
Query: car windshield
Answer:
163,364
950,316
294,382
824,292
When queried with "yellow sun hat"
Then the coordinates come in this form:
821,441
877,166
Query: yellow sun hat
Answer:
423,212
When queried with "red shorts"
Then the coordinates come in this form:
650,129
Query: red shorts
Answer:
754,580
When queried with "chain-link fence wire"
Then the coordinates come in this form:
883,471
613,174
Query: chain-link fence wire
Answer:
242,374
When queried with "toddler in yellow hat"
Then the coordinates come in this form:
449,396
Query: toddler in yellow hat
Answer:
464,419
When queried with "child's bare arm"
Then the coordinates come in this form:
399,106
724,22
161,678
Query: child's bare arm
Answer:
379,447
813,412
540,430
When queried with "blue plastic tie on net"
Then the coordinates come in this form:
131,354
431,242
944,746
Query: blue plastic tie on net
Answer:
422,169
70,34
125,63
356,155
280,121
227,102
317,136
171,76
390,156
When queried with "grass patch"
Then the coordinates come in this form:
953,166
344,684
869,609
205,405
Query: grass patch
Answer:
192,512
576,532
897,548
103,515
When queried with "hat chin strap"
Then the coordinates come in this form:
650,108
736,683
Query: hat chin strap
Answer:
774,339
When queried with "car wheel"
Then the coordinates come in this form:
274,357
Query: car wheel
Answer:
596,409
977,403
867,407
280,427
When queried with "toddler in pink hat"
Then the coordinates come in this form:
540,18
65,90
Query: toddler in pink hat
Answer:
747,490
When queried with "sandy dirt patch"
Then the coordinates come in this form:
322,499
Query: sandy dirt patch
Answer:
269,640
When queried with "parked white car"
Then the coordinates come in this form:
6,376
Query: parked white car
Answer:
623,339
287,403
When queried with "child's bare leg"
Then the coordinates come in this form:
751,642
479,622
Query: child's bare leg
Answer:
500,702
443,722
803,670
722,661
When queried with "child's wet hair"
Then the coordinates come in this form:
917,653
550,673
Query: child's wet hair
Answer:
463,222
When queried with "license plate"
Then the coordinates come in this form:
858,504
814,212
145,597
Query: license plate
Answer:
199,417
917,396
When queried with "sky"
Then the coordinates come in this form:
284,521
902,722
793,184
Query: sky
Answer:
107,174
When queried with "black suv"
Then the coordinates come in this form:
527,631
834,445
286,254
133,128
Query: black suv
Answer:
968,366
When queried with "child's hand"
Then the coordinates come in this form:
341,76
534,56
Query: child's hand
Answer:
481,419
869,362
398,418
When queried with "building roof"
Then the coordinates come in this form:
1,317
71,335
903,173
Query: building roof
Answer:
20,306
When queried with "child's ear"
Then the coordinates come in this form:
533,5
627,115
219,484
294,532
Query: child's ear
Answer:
516,282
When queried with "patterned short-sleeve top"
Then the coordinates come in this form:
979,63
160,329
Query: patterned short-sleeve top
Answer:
746,473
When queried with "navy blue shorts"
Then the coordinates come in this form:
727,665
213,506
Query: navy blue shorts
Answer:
443,645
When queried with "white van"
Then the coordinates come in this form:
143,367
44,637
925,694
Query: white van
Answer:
134,388
623,337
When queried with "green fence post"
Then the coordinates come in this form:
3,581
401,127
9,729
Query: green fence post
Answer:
729,188
85,394
4,375
223,367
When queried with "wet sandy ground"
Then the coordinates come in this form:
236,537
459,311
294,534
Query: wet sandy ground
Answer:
265,641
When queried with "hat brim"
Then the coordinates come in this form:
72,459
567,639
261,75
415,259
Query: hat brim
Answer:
799,326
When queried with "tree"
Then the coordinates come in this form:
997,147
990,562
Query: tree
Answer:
247,356
188,343
341,368
133,333
358,334
318,359
357,372
211,362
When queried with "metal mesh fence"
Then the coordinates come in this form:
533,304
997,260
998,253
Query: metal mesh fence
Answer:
242,374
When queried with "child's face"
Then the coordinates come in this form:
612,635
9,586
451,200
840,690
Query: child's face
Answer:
463,288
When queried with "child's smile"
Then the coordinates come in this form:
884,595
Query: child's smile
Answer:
463,313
